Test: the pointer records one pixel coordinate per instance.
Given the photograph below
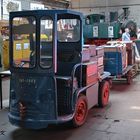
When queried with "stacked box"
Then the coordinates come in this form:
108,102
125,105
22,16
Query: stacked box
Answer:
100,59
101,69
113,63
90,74
100,51
114,48
121,48
88,53
130,53
92,49
93,54
85,55
115,60
93,59
128,44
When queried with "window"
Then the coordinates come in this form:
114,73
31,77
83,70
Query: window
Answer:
24,41
46,37
68,30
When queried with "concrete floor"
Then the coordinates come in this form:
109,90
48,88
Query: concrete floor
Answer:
120,120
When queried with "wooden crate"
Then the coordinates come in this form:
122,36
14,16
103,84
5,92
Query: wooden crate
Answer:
90,74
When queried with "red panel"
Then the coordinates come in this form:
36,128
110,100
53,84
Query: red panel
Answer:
91,69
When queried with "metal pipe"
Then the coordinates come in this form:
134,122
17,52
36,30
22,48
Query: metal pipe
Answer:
56,3
126,12
106,6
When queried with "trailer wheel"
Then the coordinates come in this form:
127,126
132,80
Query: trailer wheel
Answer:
81,112
129,77
103,95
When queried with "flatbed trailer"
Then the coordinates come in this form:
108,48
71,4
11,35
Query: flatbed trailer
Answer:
126,74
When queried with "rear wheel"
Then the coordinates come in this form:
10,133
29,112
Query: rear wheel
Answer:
129,77
81,111
103,97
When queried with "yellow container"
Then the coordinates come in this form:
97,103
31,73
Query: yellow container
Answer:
25,49
5,55
21,51
17,50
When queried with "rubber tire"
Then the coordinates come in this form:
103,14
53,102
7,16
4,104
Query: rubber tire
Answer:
81,100
129,77
102,100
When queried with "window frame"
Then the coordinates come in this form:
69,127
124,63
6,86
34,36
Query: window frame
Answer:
79,30
49,42
12,41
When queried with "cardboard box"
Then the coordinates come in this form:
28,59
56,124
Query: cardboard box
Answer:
100,51
115,48
90,74
85,55
92,49
101,70
100,61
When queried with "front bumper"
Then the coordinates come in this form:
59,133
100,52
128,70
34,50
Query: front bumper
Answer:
37,124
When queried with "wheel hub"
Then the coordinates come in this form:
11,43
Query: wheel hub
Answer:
106,95
81,111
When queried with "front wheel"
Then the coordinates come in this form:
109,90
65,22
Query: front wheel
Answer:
103,94
81,111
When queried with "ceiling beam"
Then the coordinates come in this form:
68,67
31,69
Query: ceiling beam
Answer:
56,3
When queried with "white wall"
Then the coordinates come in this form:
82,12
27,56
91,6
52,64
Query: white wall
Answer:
106,6
0,10
123,2
24,5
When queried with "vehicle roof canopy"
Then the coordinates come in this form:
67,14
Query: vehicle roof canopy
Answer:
46,12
